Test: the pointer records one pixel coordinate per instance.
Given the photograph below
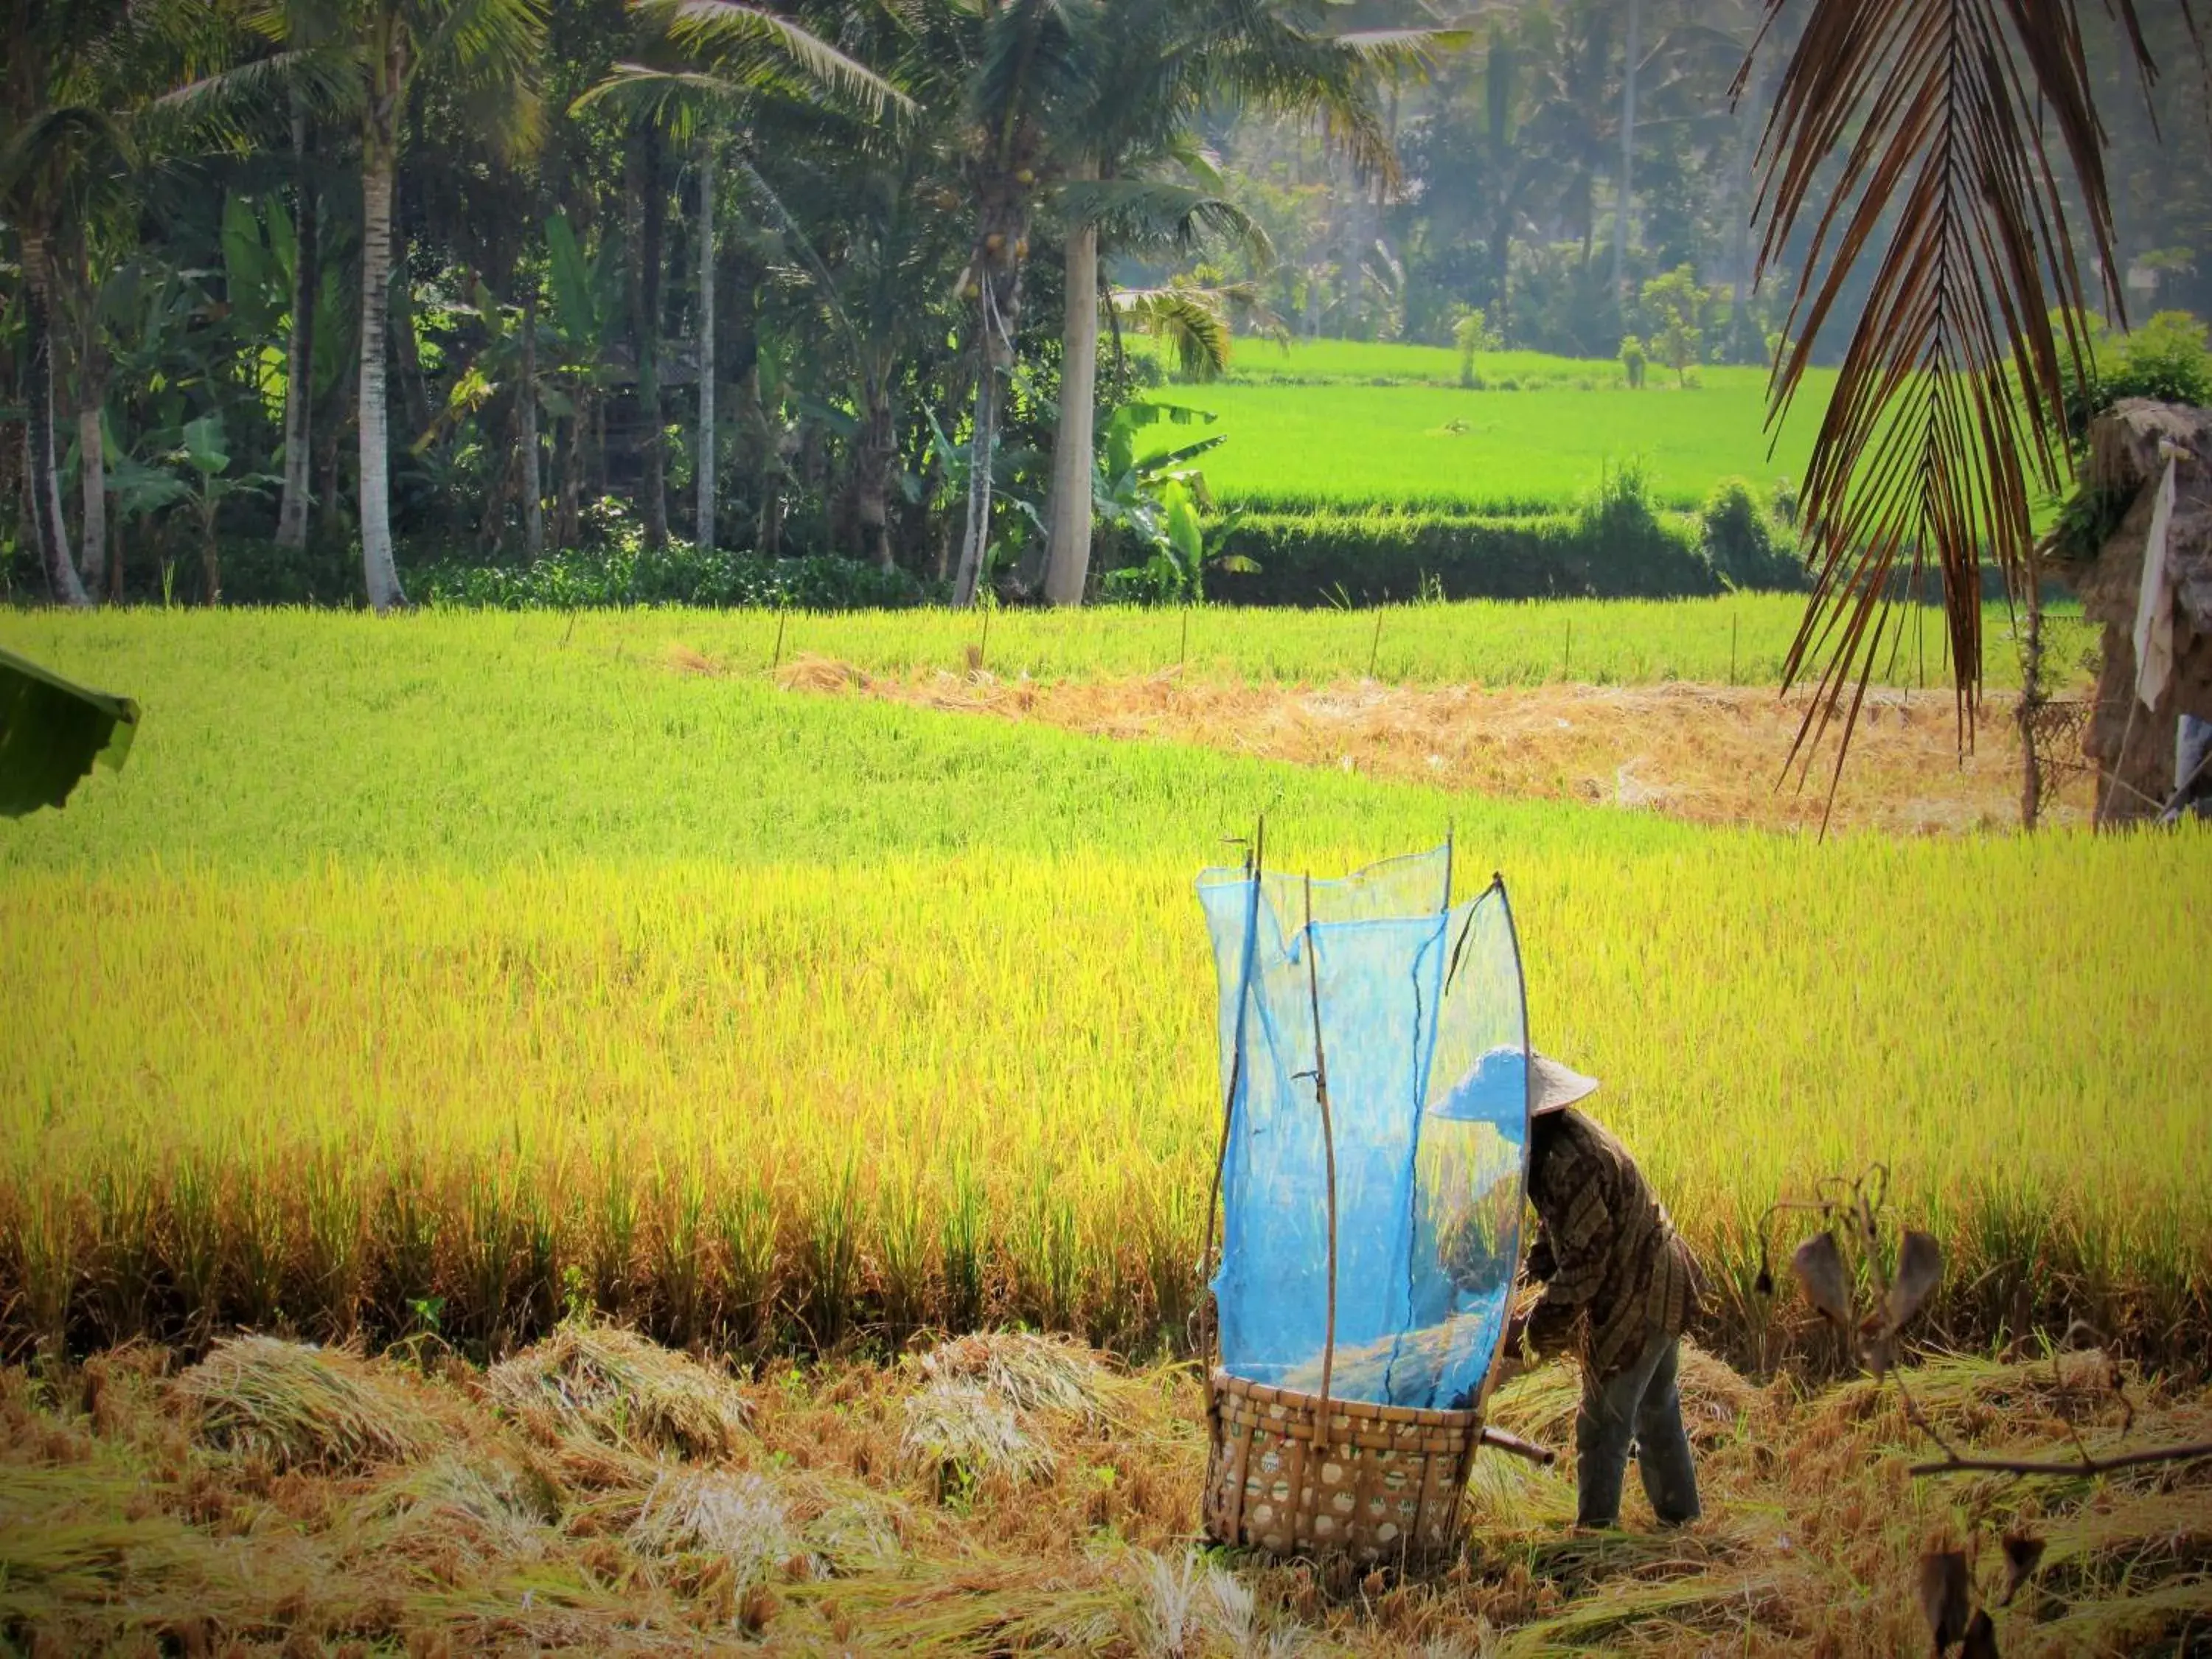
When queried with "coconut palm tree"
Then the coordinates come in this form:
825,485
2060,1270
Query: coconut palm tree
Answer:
367,59
62,139
1948,415
738,55
1131,171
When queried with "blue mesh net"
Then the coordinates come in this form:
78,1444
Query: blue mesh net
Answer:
1423,1033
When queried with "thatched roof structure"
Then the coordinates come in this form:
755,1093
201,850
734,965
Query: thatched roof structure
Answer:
2133,746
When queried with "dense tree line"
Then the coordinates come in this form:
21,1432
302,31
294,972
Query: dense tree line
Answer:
1521,143
302,295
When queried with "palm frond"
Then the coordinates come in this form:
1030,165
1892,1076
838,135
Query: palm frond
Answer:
795,236
327,80
1030,53
1193,321
55,134
1142,215
1947,415
733,37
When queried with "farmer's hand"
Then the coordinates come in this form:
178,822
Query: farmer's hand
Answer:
1516,1334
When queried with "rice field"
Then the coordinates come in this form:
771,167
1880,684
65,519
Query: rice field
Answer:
454,971
1345,424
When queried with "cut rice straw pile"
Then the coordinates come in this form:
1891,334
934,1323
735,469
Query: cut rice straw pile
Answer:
620,1390
303,1408
1708,754
814,1531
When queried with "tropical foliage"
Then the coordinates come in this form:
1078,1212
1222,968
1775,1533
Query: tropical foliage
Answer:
433,278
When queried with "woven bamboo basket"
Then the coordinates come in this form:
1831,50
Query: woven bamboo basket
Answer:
1296,1474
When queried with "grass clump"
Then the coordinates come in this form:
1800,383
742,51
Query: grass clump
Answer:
302,1407
612,1385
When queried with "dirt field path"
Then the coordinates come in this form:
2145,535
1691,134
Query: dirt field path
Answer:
1707,754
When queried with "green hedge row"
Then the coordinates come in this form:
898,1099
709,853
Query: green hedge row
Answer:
1314,558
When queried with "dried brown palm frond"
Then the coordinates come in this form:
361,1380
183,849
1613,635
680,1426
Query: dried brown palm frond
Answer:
1948,415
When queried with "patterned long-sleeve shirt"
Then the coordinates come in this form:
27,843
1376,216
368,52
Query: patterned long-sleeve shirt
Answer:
1615,1272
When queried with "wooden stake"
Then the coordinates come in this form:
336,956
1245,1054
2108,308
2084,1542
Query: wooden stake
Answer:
1376,649
1328,1150
1182,651
780,617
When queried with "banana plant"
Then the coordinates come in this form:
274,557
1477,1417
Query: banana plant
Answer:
206,456
51,731
1160,501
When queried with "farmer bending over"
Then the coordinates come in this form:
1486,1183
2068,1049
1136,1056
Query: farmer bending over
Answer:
1619,1288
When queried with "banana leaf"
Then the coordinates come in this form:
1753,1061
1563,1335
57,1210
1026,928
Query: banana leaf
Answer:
50,733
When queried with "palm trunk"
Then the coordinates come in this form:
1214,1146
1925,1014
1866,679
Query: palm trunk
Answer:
645,325
210,558
997,277
975,541
525,416
299,353
875,452
1622,210
1069,569
92,541
42,480
703,463
380,572
329,458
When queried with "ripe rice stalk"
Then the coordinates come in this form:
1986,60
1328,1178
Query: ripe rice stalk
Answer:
302,1407
901,1241
747,1223
1046,1248
43,1223
490,1243
961,1242
613,1238
680,1261
407,1223
261,1239
334,1242
124,1263
195,1243
544,1260
832,1250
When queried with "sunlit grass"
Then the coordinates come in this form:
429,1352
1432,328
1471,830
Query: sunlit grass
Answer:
1344,423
